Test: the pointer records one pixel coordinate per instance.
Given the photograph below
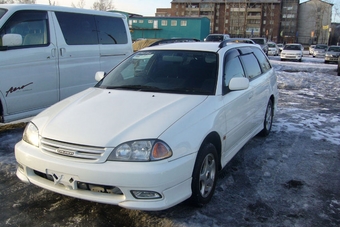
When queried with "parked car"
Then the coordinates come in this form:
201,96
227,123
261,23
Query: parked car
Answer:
263,43
311,49
332,54
216,37
292,51
319,50
155,130
41,48
174,40
280,46
273,49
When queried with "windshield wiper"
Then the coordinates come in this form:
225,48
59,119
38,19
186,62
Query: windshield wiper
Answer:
134,87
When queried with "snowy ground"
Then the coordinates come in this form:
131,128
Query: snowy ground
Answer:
290,178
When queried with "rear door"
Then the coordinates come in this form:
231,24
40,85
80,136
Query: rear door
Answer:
29,72
114,41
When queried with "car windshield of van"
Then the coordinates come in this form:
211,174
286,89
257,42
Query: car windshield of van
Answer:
2,12
170,71
292,47
258,41
215,38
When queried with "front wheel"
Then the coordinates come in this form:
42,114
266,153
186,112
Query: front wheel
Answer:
204,175
268,119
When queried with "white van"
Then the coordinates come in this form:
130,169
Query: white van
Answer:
48,53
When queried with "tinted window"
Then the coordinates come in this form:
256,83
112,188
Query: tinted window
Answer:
78,29
251,65
31,25
172,71
263,60
111,30
233,68
2,12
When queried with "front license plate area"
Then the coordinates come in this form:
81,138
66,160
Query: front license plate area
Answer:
69,181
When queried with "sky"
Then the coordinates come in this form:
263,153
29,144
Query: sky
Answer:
143,7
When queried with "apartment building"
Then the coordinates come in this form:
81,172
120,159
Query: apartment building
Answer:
315,18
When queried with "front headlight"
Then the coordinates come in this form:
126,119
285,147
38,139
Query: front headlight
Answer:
31,135
141,151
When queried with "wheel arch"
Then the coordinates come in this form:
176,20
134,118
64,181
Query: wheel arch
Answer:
215,139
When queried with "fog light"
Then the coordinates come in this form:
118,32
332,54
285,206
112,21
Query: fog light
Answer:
145,195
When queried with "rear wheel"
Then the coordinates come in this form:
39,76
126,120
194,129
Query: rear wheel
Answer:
268,119
204,175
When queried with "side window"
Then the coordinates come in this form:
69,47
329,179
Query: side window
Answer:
31,25
111,30
251,65
264,62
78,29
232,68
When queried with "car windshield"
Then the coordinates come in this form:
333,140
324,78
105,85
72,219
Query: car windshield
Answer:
292,47
171,71
258,41
335,49
321,47
271,45
215,38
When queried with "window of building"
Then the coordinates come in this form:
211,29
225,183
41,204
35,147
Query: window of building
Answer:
174,23
141,21
150,21
184,23
134,21
164,23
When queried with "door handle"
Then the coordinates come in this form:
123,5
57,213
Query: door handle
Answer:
53,52
62,51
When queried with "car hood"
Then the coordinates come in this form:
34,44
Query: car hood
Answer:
100,117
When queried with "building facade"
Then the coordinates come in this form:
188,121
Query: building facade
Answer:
277,20
168,27
315,17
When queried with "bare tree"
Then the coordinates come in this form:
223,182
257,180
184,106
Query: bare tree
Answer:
103,5
52,3
26,1
6,1
81,4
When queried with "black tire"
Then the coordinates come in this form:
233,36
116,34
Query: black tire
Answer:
204,175
268,119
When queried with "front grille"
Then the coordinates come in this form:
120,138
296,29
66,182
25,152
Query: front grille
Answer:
89,153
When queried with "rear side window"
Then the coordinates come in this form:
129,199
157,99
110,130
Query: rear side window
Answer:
111,30
84,29
78,29
32,25
263,60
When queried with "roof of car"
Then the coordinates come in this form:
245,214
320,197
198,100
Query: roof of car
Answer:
198,46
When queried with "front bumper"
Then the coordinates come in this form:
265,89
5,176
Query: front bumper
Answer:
331,59
291,57
109,182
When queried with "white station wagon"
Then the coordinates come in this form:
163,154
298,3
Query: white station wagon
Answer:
155,130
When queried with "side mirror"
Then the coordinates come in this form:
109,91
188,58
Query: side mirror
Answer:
238,83
99,76
12,40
